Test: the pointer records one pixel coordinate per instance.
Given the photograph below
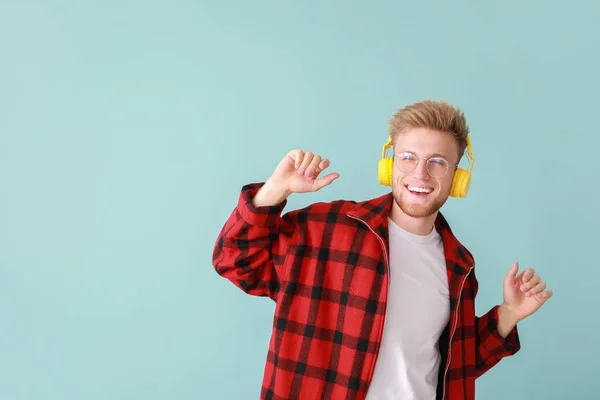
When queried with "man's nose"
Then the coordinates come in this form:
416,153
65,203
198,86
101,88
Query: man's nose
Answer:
421,170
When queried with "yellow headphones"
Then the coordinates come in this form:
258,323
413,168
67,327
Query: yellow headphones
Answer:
460,183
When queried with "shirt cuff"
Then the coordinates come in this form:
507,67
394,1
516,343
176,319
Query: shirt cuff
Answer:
258,216
495,343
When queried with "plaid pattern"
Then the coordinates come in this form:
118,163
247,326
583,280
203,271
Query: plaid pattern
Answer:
326,268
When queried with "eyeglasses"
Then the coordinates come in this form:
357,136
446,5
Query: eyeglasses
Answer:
437,167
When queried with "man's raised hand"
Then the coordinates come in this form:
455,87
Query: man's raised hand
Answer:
297,172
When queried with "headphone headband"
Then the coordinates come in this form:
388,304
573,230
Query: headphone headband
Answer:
386,146
470,154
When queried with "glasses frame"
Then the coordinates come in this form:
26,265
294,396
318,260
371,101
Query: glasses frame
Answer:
426,159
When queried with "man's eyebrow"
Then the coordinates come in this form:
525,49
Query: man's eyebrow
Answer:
438,155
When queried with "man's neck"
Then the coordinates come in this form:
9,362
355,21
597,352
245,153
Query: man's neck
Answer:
416,226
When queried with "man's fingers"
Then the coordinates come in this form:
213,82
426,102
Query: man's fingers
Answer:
322,165
542,296
297,155
536,289
312,167
545,295
308,157
527,275
531,284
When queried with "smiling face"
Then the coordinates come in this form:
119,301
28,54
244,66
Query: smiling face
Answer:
416,193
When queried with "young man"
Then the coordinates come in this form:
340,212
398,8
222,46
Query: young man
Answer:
374,299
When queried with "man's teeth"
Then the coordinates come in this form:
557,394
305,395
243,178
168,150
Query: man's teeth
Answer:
419,189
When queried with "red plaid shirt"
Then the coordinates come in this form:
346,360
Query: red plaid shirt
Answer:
326,267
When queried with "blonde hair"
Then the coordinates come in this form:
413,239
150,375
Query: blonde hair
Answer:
435,115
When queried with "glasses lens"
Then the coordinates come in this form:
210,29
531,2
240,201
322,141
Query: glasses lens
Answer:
406,162
437,167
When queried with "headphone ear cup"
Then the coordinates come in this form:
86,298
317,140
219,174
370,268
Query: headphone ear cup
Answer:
460,183
385,171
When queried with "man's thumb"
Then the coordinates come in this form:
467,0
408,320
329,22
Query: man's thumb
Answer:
512,273
325,180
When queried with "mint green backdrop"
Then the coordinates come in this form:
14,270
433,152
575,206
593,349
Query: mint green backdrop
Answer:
127,129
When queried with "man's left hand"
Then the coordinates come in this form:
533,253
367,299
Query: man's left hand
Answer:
523,294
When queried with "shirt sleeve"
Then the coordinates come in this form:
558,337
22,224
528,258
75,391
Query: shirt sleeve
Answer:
251,244
491,346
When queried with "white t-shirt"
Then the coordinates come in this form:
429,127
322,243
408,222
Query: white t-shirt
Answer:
417,313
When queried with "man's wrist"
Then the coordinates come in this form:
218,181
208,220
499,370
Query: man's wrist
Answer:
270,194
506,320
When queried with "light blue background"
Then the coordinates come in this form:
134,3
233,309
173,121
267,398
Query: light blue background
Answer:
127,129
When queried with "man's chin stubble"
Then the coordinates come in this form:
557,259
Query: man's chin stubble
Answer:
418,211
